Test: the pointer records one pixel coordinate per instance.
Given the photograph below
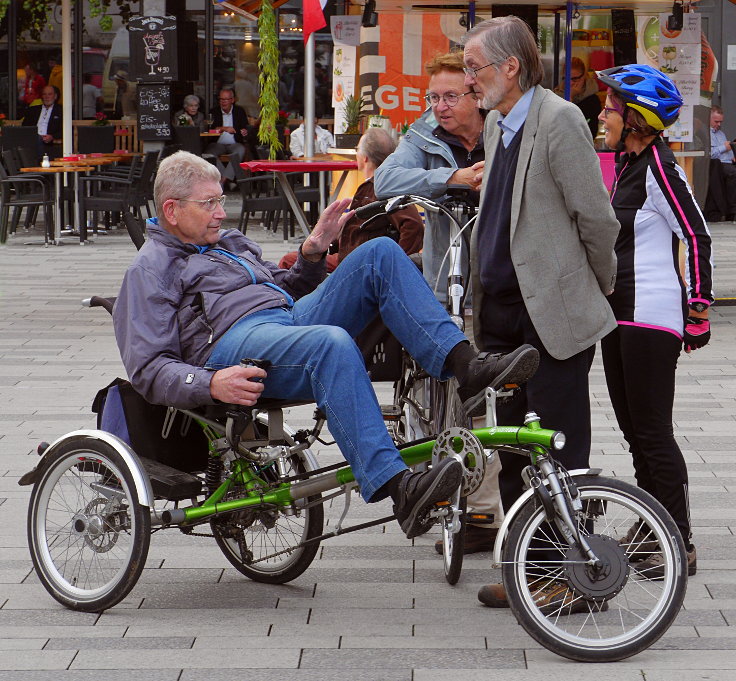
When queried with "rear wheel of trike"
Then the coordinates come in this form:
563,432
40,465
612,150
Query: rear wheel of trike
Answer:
599,614
87,531
250,539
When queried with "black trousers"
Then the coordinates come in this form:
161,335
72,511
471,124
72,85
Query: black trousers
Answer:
721,199
640,368
558,393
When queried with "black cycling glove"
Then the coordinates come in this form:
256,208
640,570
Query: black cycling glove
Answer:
697,333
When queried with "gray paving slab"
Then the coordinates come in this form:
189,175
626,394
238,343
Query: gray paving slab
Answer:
83,675
373,607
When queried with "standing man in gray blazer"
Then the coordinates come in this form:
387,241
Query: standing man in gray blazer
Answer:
542,257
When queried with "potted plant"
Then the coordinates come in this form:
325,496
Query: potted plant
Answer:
353,109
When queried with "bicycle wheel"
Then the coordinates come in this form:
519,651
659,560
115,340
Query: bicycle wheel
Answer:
251,538
453,542
87,532
446,406
411,397
623,611
447,412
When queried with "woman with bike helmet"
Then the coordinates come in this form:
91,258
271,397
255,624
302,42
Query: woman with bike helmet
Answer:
658,308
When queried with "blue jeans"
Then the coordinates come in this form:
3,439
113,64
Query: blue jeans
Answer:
313,355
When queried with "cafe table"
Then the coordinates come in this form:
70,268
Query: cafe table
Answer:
58,171
280,168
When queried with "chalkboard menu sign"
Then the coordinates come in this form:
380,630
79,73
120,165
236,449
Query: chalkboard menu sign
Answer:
153,51
154,112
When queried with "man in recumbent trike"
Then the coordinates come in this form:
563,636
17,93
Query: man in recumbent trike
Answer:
197,299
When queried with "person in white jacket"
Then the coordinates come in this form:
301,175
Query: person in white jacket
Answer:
323,140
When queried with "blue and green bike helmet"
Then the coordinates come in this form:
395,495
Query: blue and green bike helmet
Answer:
648,91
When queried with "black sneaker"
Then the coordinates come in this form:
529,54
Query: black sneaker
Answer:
418,492
495,370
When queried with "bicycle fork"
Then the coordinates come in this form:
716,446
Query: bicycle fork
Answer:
560,502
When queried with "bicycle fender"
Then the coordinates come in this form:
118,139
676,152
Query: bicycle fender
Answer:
140,478
514,510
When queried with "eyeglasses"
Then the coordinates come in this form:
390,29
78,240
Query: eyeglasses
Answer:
575,79
225,99
608,109
473,71
210,205
449,98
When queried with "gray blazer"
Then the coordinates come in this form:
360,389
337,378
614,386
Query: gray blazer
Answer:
563,228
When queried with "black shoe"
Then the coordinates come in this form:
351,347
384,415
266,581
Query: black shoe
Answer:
418,492
495,370
477,539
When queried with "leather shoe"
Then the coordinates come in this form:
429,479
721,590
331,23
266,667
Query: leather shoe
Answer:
477,539
553,598
419,492
488,370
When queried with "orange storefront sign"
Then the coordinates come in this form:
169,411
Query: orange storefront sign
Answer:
392,60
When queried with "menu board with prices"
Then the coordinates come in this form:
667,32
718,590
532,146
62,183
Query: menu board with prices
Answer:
154,112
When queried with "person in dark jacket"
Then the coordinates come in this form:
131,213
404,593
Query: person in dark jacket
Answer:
583,93
47,118
404,226
197,299
237,136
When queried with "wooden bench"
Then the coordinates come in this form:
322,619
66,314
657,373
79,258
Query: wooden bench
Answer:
126,133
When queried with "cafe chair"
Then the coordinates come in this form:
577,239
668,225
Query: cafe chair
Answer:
113,194
95,139
22,137
261,194
304,194
187,138
19,192
136,229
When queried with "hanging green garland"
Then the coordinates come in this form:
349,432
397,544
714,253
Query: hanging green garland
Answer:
268,78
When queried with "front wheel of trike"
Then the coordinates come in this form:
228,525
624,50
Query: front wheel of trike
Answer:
87,531
603,613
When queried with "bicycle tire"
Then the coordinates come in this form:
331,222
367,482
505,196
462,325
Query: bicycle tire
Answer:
264,532
411,396
638,610
88,544
453,544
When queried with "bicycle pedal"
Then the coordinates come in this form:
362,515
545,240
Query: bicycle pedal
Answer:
481,518
390,412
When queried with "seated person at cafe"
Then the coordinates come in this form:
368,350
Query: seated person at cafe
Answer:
323,140
236,136
197,299
47,118
190,114
405,226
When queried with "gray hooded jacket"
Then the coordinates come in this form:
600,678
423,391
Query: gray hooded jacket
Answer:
176,302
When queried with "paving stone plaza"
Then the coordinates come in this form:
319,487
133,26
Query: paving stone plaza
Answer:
373,606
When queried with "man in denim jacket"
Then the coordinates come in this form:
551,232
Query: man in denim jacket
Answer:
443,147
197,299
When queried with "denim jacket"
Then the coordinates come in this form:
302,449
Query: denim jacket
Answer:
422,164
176,302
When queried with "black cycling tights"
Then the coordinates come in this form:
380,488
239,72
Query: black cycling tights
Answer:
640,368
